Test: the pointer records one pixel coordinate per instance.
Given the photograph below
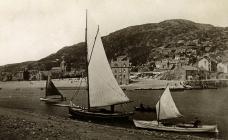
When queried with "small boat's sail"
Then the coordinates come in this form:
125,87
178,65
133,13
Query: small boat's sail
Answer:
51,90
166,108
103,87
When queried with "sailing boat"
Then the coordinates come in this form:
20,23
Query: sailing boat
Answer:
103,89
52,94
166,109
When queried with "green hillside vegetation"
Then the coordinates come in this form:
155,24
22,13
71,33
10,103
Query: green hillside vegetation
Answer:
144,44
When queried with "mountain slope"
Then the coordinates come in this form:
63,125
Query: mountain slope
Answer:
144,43
167,34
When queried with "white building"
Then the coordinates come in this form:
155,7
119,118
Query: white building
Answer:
121,69
204,64
222,67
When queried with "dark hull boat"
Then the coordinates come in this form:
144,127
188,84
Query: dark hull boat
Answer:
102,87
52,94
145,109
98,114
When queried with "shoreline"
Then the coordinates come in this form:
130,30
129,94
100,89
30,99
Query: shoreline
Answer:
72,83
141,84
18,124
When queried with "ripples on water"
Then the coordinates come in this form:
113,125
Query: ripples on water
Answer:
211,106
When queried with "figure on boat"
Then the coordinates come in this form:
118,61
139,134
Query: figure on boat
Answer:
196,123
52,94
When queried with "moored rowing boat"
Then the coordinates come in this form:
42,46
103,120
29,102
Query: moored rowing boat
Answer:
175,128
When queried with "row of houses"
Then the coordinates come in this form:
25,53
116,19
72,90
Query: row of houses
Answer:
204,63
212,65
26,74
121,70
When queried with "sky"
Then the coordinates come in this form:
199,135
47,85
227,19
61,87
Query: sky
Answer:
33,29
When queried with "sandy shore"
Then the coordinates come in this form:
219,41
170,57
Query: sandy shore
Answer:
20,125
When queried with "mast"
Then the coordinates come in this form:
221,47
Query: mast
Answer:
159,111
46,87
159,108
87,71
103,87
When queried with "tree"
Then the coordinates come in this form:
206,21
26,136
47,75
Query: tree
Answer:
26,75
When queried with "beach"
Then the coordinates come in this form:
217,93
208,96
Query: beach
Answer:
18,125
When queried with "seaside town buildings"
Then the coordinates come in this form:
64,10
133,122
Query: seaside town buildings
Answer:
58,72
177,67
180,67
25,74
121,69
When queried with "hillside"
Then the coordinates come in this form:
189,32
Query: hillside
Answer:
145,43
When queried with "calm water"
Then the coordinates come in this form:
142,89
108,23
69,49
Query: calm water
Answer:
211,106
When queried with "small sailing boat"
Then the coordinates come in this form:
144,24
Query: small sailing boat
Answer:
142,108
166,109
52,94
102,88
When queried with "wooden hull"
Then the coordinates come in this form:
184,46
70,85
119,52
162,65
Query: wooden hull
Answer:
104,115
187,128
145,109
61,105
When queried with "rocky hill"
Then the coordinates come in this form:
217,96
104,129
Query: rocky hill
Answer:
146,43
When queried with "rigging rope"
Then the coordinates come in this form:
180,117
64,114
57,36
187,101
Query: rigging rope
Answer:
93,45
122,107
77,90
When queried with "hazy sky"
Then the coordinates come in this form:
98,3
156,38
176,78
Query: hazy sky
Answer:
33,29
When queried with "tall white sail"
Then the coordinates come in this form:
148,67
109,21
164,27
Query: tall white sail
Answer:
103,87
167,109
